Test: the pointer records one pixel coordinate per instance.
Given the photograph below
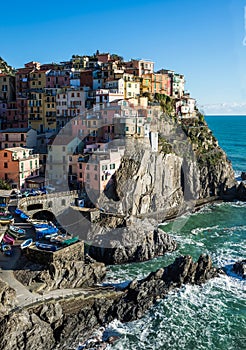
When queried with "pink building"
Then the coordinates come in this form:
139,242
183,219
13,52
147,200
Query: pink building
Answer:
57,79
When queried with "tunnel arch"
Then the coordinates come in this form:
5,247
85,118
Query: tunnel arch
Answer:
44,215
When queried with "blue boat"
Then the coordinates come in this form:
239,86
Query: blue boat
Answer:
41,225
17,230
24,216
26,243
18,211
45,246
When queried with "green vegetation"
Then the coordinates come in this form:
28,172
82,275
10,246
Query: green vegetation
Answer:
166,102
4,185
164,146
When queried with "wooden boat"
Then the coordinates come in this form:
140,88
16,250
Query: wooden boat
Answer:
50,235
45,246
70,241
18,211
24,216
57,239
48,229
6,218
18,230
6,249
9,240
26,243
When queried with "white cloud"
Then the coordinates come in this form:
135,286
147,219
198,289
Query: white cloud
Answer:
224,109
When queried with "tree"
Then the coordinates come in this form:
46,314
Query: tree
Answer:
4,185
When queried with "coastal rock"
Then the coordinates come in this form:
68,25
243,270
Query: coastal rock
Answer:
240,268
62,324
62,274
241,192
7,298
243,175
138,241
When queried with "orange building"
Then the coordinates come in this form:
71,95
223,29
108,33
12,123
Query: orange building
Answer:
18,164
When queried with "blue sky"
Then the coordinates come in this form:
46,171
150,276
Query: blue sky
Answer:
201,39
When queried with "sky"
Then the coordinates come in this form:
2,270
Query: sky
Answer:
201,39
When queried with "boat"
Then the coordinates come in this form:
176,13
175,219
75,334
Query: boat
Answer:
70,241
18,230
51,235
16,235
48,229
38,222
57,239
18,211
24,216
9,240
6,249
41,225
6,218
26,243
45,246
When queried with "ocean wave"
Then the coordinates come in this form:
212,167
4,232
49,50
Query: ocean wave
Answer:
193,318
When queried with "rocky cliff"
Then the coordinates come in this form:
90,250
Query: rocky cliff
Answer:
188,168
61,324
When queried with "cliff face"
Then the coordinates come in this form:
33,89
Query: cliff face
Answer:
188,166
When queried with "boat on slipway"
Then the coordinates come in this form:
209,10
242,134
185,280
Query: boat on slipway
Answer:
8,239
26,243
17,230
6,218
44,246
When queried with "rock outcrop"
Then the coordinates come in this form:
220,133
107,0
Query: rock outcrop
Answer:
7,298
138,241
241,192
61,324
61,274
240,268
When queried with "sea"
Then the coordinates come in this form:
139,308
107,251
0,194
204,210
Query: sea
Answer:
207,317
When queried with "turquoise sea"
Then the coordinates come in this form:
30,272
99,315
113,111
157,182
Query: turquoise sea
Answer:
212,316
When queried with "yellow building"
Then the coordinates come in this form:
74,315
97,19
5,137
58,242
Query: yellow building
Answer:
38,79
36,111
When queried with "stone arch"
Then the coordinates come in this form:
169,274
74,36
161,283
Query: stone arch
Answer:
44,215
35,206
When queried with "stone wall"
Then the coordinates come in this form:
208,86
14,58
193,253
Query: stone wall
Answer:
70,253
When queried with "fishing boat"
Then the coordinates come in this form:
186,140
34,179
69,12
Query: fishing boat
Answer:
24,216
18,211
26,243
45,246
46,230
9,240
6,218
38,222
6,249
16,235
70,241
57,239
41,225
18,230
51,235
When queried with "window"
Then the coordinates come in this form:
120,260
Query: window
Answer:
80,175
112,166
5,154
95,177
95,167
127,128
30,164
78,94
6,137
5,165
104,167
63,148
6,145
87,176
80,166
